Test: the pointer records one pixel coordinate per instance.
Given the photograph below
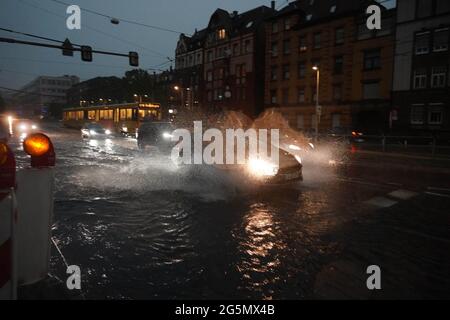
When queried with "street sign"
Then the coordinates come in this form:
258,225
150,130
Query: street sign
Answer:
67,48
134,59
86,53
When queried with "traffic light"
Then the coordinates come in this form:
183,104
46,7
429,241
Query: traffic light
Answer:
67,48
86,53
134,59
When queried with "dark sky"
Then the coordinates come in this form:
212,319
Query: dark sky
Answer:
19,64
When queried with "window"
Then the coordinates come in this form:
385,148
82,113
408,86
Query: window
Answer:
420,78
438,76
287,24
91,115
274,73
287,46
286,72
309,17
274,27
247,46
442,6
372,59
435,114
274,50
422,43
371,90
302,44
417,114
335,121
333,9
301,95
338,64
209,56
209,76
301,70
300,121
285,96
236,49
221,33
339,36
424,8
337,92
316,42
273,96
440,41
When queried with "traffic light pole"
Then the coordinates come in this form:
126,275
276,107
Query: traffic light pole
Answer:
61,47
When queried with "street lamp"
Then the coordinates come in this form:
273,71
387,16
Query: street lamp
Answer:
316,68
178,88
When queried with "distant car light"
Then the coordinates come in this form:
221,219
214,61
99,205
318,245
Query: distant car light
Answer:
261,168
34,127
167,135
23,127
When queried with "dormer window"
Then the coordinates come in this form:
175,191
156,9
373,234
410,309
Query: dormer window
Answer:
221,33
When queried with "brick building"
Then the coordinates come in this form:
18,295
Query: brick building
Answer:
355,64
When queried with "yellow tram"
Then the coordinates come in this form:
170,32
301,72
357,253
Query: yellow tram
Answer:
119,118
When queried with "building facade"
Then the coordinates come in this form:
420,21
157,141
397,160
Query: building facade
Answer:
36,97
229,54
354,64
421,89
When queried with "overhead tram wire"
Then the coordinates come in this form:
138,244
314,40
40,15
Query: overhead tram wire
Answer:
121,19
153,52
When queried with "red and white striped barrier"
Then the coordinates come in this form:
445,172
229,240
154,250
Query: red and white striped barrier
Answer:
8,266
25,223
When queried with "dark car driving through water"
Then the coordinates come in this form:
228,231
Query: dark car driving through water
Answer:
156,135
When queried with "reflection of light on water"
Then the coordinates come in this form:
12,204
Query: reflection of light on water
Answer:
93,143
260,246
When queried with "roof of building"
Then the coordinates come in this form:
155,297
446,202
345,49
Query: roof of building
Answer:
315,10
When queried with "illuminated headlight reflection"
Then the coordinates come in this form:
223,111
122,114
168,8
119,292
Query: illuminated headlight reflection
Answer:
294,147
23,127
124,129
311,145
34,127
299,159
108,132
261,168
167,135
92,132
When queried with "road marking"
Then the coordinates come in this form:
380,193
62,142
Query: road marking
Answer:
438,194
402,194
381,202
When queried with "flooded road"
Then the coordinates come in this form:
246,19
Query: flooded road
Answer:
141,229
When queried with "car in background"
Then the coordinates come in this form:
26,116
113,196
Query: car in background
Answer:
157,135
23,127
345,135
93,130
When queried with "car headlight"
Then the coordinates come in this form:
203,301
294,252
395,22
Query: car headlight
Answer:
23,127
108,132
34,127
167,135
124,129
92,132
262,168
